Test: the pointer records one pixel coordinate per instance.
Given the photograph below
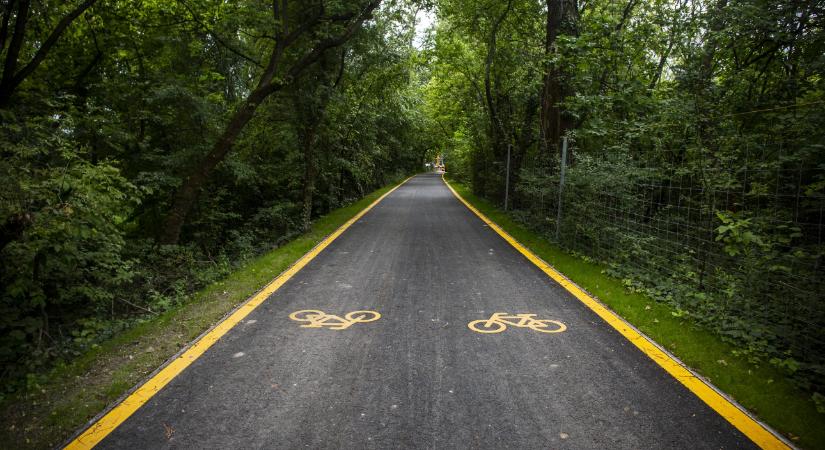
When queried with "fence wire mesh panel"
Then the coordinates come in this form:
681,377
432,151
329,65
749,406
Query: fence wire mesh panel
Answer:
735,243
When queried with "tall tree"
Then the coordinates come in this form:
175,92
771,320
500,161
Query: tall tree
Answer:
498,132
310,101
290,56
561,20
13,74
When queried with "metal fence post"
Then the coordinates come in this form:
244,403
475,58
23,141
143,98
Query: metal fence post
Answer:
507,180
561,184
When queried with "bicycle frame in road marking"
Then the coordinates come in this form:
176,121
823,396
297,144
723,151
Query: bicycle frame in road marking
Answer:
320,319
750,427
501,320
102,426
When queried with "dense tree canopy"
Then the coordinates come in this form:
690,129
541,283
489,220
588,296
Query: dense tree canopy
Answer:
695,166
221,128
147,146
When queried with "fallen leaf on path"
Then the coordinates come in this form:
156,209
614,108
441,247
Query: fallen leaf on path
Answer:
169,431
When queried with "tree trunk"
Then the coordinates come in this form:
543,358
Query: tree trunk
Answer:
13,52
8,7
187,194
562,16
672,36
703,90
310,172
704,84
615,41
11,76
661,66
497,131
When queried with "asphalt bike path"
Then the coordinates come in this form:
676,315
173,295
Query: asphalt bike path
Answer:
368,346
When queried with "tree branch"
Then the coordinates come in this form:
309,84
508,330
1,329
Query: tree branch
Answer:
341,67
188,192
488,63
11,80
4,29
327,44
220,41
14,46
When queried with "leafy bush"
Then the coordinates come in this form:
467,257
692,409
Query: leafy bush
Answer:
63,260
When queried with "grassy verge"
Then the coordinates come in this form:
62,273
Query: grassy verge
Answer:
48,414
763,389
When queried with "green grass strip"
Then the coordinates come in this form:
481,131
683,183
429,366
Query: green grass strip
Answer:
49,413
764,390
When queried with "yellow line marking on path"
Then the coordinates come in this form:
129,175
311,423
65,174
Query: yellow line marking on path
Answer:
319,319
498,322
117,415
755,431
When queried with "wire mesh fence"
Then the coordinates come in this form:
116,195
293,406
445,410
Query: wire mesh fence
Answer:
735,243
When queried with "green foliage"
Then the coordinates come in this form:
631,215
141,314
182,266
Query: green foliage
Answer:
98,139
695,166
763,389
695,170
56,403
65,258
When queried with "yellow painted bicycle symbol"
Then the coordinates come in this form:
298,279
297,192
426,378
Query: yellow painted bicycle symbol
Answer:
498,322
319,319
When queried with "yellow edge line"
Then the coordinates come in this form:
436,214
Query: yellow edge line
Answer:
761,436
111,420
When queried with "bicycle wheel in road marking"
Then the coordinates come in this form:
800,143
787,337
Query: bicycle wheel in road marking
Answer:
486,327
362,316
305,315
547,326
